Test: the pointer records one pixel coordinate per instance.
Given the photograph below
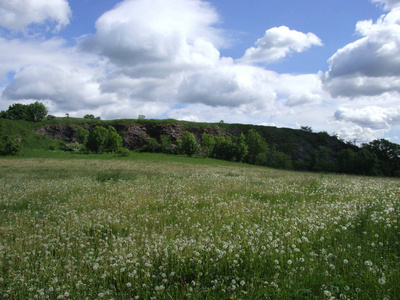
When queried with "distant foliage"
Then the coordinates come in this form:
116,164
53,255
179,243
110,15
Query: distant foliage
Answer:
82,135
256,144
101,139
9,145
113,141
122,152
34,112
207,143
166,144
73,147
97,139
91,117
189,144
153,145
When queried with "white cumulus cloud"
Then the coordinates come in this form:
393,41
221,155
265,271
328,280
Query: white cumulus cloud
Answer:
371,65
277,43
17,15
158,36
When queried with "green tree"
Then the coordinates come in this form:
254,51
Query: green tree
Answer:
347,161
189,144
207,143
82,135
97,139
153,145
224,148
113,141
256,144
388,154
36,112
166,143
17,111
241,149
91,117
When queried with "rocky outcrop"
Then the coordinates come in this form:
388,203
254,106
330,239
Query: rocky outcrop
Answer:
134,135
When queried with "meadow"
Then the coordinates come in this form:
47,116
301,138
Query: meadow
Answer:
164,229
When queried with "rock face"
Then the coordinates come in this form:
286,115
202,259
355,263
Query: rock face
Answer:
134,135
299,144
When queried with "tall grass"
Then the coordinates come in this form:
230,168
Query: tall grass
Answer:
133,229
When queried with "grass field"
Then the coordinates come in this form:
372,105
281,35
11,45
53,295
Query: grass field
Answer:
160,228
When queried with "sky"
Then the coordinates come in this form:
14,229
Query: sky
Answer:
332,65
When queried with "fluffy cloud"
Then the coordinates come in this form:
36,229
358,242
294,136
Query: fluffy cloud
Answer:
277,43
373,117
158,36
229,85
371,65
17,15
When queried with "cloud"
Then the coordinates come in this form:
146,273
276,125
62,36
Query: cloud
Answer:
371,65
373,117
388,4
229,85
17,15
277,43
158,36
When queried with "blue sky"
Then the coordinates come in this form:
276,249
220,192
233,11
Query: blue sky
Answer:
331,65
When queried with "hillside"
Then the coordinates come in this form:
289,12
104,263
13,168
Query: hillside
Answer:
302,146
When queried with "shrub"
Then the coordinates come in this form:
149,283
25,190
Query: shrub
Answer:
73,147
9,146
122,152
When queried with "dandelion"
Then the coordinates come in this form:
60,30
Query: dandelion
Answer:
327,293
382,280
289,262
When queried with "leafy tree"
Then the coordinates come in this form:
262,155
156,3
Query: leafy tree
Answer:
113,141
36,112
166,143
367,163
388,154
347,161
224,148
241,149
97,139
9,145
207,143
82,135
33,112
16,111
256,144
91,117
278,159
189,144
152,146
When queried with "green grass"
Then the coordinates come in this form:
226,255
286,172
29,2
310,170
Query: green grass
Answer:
170,227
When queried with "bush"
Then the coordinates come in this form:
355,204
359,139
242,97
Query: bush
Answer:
73,147
9,146
122,152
